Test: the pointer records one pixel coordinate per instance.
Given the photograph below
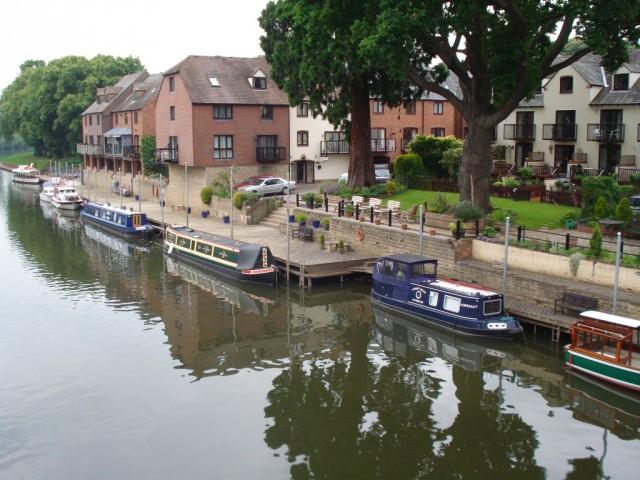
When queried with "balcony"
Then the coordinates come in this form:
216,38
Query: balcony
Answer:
271,154
87,149
605,132
383,145
334,147
131,151
113,150
560,132
167,155
520,131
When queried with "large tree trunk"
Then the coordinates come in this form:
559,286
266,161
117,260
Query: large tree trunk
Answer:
361,171
475,167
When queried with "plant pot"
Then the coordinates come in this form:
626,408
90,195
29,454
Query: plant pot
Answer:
292,218
137,197
348,214
302,224
361,219
226,219
403,226
455,234
432,231
188,210
377,221
315,223
309,204
205,214
162,203
326,227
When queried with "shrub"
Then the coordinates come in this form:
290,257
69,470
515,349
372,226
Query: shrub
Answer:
322,238
330,187
500,215
300,217
595,244
391,187
441,204
634,178
408,166
595,187
526,174
623,211
511,182
277,203
308,197
205,195
451,161
221,184
465,211
489,232
574,262
324,221
601,208
239,198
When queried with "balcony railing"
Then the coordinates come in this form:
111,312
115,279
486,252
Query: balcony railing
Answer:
131,151
334,147
520,131
113,150
271,154
383,145
88,149
167,155
605,132
560,132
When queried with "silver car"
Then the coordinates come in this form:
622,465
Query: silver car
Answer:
270,186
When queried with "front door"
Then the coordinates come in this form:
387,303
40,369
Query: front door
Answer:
609,157
563,154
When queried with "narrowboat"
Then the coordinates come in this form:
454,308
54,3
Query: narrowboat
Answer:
405,338
241,261
409,284
606,347
120,220
26,174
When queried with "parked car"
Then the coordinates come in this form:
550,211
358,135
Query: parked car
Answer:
382,175
270,186
249,181
634,203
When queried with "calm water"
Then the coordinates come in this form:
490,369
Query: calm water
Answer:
115,363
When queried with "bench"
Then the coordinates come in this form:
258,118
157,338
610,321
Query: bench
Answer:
575,302
303,233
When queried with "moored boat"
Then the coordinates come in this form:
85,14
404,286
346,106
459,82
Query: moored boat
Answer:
66,197
48,189
606,347
241,261
120,220
27,174
409,284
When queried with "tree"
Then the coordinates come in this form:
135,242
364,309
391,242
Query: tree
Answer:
43,104
431,149
500,51
326,53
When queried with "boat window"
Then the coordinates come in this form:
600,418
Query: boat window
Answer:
433,298
184,242
401,274
171,237
379,267
204,248
452,304
492,307
388,268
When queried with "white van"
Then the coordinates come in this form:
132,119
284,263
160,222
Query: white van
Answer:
634,202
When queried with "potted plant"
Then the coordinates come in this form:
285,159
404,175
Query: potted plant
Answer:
325,222
226,218
205,213
309,199
361,218
403,226
455,233
348,210
301,218
340,246
322,239
377,220
292,218
315,223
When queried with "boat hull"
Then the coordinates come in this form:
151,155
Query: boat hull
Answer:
620,375
66,205
45,198
471,328
116,229
27,180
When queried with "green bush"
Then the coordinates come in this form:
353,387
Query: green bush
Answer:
221,184
391,187
489,232
239,198
407,167
205,195
601,208
465,211
623,211
595,187
300,217
595,244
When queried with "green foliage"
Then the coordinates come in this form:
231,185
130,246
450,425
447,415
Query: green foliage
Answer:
277,203
465,211
300,217
498,152
440,204
391,187
407,167
322,238
623,211
221,184
330,187
431,150
595,187
525,173
308,197
601,208
44,103
205,195
349,208
489,232
239,199
634,178
148,153
451,161
595,243
501,214
511,182
324,221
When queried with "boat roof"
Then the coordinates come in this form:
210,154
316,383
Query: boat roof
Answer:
464,288
25,169
226,241
113,208
409,258
610,318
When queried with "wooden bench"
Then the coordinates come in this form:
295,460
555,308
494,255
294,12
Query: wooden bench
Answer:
303,233
575,302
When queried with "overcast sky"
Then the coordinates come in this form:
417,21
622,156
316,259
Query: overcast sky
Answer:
159,33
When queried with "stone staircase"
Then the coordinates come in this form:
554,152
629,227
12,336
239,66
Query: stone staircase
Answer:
275,218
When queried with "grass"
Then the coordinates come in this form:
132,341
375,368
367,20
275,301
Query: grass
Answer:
532,215
25,158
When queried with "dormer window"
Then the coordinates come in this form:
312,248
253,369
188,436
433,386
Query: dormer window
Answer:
214,81
172,84
260,83
621,81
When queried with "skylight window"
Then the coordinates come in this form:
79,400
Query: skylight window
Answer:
214,81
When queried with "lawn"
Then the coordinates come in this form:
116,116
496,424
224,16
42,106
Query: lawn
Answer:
25,158
532,215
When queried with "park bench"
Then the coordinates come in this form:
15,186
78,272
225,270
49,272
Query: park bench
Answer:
575,302
303,233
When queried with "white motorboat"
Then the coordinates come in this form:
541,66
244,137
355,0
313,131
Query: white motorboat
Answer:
66,197
27,174
48,189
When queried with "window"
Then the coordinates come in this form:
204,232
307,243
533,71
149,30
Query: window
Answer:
172,84
90,139
266,112
222,147
334,136
126,119
90,120
223,112
135,118
566,84
172,113
621,81
411,108
451,304
303,138
303,110
492,307
437,132
433,298
116,119
214,81
173,143
378,107
97,119
260,83
437,108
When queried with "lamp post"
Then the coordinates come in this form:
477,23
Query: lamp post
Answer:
615,281
506,257
186,193
231,200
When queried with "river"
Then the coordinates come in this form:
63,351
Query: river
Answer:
117,363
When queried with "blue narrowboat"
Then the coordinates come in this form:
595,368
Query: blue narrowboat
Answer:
409,284
120,220
241,261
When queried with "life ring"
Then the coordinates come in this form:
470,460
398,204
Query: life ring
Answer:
360,234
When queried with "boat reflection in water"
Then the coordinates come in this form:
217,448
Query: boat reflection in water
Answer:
401,337
65,219
117,244
249,302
